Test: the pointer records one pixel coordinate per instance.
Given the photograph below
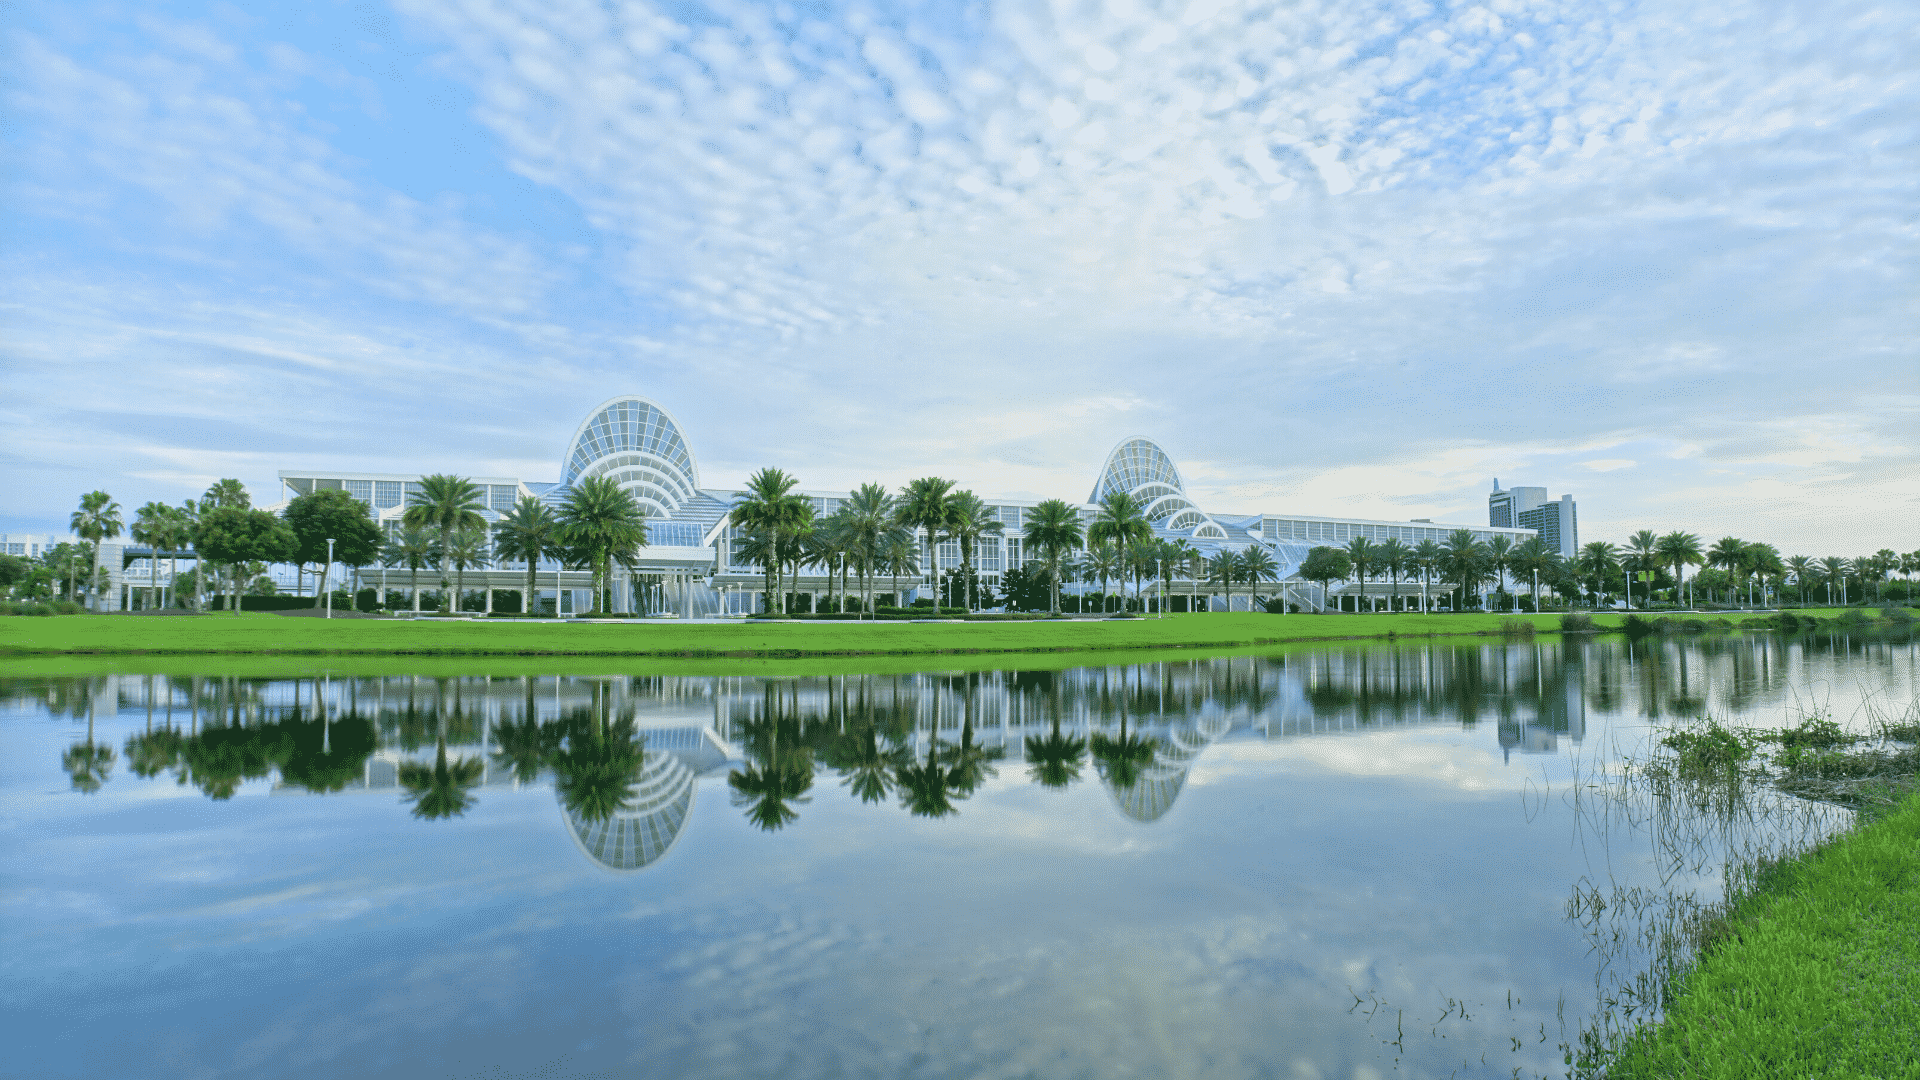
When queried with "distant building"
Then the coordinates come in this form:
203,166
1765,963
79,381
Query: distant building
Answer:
34,545
1529,508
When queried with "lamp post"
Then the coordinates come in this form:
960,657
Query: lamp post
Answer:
329,572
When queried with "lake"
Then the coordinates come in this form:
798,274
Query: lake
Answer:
1350,862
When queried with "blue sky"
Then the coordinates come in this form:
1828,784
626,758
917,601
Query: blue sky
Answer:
1341,258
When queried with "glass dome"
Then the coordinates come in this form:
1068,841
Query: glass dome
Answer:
635,838
639,445
1140,468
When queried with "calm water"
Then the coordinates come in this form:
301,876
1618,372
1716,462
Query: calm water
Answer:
1328,863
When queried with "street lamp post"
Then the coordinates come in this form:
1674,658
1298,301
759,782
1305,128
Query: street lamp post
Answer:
329,573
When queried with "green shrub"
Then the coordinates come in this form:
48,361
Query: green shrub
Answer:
1576,622
1709,753
1517,628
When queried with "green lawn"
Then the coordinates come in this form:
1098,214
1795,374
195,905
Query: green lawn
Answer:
1819,975
264,633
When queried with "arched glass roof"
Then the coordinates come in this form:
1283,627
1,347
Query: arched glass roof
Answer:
1133,465
637,836
636,441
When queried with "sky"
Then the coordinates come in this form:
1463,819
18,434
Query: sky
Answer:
1353,258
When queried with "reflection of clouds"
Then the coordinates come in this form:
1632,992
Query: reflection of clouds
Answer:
1412,755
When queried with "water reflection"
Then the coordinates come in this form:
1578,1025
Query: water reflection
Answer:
626,755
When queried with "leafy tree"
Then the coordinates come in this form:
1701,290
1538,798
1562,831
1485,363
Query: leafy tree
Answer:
1256,566
1596,566
1325,565
413,548
322,515
770,514
870,511
1428,557
468,551
1027,587
603,523
927,503
97,520
1054,530
444,504
1500,559
234,537
529,533
1533,556
1102,562
1394,557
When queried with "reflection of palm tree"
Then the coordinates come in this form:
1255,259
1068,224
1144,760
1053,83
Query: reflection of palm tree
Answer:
926,789
1122,759
969,763
596,772
867,761
1056,758
441,791
87,763
780,773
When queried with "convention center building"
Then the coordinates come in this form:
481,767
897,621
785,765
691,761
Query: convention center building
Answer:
689,566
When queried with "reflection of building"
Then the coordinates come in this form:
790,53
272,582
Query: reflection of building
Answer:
1153,794
637,835
691,565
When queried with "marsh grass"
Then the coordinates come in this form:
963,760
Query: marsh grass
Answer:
1517,628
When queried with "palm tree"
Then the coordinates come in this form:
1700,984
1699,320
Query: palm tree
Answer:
1360,554
531,531
1394,557
1642,555
1802,568
1121,521
825,546
1102,562
971,521
189,519
1597,564
1885,562
412,548
927,503
97,520
1055,531
1256,566
1533,556
1727,555
1679,550
1465,563
1225,569
469,549
899,555
603,523
770,511
870,509
1500,559
151,527
1427,557
445,504
176,531
1168,556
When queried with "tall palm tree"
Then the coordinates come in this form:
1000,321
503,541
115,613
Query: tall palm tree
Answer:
771,511
176,531
603,523
927,503
530,532
227,493
1500,559
899,556
1393,556
468,549
1170,556
445,504
97,520
1727,555
1102,562
870,511
1533,556
1598,562
1427,557
972,521
1836,569
1466,563
151,527
1225,569
1054,530
1642,555
413,548
189,512
1257,565
826,546
1360,553
1121,521
1802,568
1885,562
1679,550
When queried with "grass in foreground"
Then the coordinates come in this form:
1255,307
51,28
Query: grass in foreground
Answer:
1816,972
257,632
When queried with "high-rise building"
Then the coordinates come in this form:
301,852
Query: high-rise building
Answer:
1554,521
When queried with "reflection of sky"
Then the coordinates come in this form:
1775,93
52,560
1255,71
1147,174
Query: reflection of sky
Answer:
154,933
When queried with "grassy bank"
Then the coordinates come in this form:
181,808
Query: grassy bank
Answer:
1815,971
264,633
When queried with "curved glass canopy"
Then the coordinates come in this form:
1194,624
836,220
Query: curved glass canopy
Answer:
636,443
636,837
1140,468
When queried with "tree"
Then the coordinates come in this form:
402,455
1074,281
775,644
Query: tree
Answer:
1360,558
444,503
1679,550
413,548
1466,564
1394,557
1326,565
869,511
1054,530
529,533
899,555
1533,556
175,532
1257,565
1428,556
1803,569
769,512
1596,566
603,523
234,537
927,503
1500,559
97,520
1641,556
468,550
1122,522
189,512
1102,562
1835,570
1727,555
333,515
1885,562
150,528
971,521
